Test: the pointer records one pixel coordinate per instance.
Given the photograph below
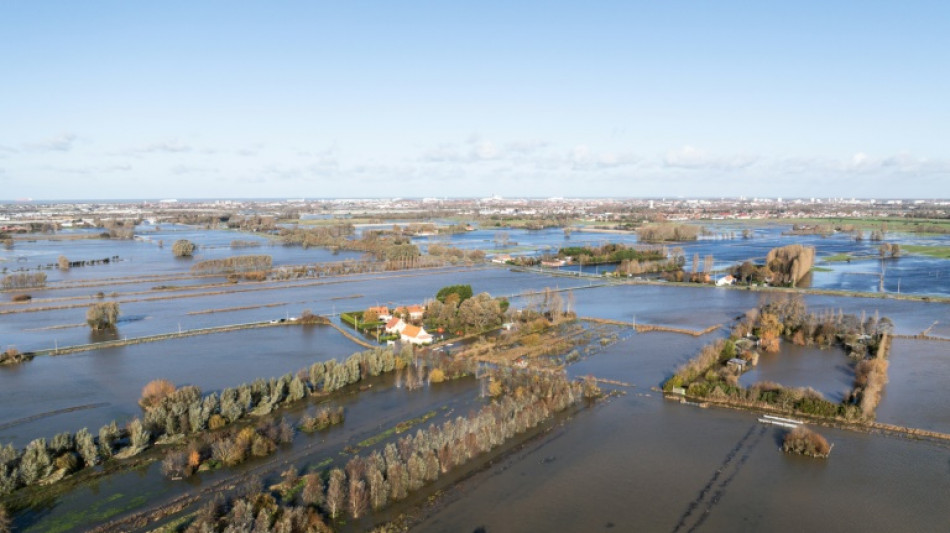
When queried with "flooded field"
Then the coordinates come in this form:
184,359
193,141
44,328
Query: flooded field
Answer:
828,371
910,274
108,383
640,463
632,462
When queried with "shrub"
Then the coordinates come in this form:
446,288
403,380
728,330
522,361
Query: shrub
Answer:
102,315
464,292
22,297
216,422
155,391
806,442
183,248
436,376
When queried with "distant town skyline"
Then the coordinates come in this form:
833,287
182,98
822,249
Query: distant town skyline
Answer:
111,100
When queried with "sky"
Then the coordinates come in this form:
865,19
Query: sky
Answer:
467,99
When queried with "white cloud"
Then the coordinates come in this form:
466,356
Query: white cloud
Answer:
189,169
60,143
169,147
689,157
485,150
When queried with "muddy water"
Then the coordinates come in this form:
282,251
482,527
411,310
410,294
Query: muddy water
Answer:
109,382
917,394
641,463
828,371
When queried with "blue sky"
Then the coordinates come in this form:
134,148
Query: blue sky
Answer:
415,99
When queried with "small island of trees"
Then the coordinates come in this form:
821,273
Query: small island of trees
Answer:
183,248
714,373
102,316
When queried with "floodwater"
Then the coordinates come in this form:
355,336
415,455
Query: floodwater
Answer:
325,296
917,394
108,383
828,371
635,462
368,413
642,463
910,274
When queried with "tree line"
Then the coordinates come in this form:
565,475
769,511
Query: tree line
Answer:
366,484
172,413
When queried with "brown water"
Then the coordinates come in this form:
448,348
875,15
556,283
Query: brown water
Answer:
917,394
641,463
829,371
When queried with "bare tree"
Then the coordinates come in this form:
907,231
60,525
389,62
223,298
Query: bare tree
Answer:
336,492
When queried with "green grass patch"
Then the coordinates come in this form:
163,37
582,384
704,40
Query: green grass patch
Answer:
822,269
837,258
942,252
98,512
399,428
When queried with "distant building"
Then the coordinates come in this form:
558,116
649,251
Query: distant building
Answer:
381,311
414,312
725,280
737,364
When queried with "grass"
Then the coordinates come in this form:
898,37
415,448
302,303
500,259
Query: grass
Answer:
942,252
822,269
398,428
837,258
98,512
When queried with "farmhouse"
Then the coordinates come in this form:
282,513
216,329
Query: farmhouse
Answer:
395,325
415,335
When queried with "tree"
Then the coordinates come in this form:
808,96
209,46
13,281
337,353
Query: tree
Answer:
336,492
464,292
501,238
183,248
5,526
102,316
154,391
370,315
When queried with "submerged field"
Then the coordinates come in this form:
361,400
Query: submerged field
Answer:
630,461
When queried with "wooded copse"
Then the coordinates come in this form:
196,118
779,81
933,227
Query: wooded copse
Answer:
804,441
102,316
784,266
378,243
234,264
24,280
476,313
710,374
183,248
668,232
613,253
789,264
